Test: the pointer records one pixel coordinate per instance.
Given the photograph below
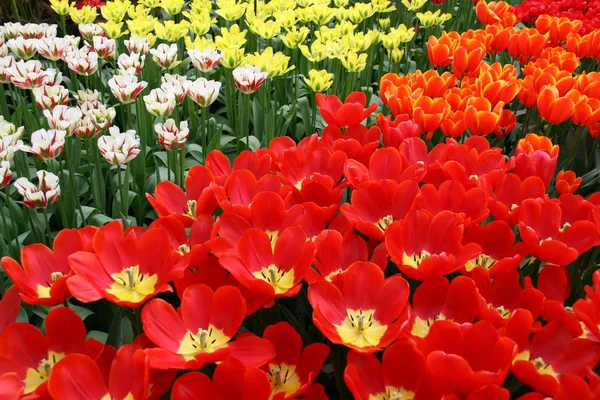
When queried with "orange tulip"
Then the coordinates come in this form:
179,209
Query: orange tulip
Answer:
587,112
533,142
537,78
567,182
495,12
432,83
554,107
481,119
558,28
500,36
556,57
506,123
454,124
428,113
458,97
498,85
468,57
526,43
441,50
589,84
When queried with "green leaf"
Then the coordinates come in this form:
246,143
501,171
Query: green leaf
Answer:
100,336
82,312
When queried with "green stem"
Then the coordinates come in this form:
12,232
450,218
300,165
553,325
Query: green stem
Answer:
182,167
13,217
48,230
575,145
122,192
70,167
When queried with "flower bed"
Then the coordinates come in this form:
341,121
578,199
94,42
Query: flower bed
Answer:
295,200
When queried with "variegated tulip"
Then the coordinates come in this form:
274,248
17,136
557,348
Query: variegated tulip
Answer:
126,88
23,48
5,173
139,45
119,148
8,128
29,74
86,129
160,103
104,47
165,55
51,48
131,64
83,61
4,50
248,79
64,118
9,145
45,193
71,40
46,144
48,97
202,91
174,84
102,116
205,60
170,136
83,96
6,64
88,31
12,30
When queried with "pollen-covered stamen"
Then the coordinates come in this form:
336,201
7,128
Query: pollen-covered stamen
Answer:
191,209
183,249
384,222
361,328
485,261
273,272
276,373
416,259
361,321
55,275
565,227
474,178
504,313
399,394
45,366
202,338
131,273
513,206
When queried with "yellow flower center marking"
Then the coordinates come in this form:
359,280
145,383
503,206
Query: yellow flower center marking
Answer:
203,341
482,260
361,329
131,285
281,280
416,259
43,292
384,222
283,379
36,376
421,326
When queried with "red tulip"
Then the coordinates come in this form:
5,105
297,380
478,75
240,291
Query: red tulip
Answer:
351,112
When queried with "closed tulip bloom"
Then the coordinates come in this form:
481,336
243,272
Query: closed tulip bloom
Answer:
131,64
48,97
119,148
23,48
126,88
104,47
51,48
175,84
5,173
88,31
556,108
139,45
64,118
160,103
248,79
6,64
165,56
203,92
47,145
83,61
46,192
206,60
83,96
9,145
319,81
170,136
102,117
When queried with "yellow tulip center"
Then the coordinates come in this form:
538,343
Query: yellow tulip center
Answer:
36,376
283,379
281,280
361,329
131,285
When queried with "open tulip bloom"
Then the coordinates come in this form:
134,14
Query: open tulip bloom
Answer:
300,200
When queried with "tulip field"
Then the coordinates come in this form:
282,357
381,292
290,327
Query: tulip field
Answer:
299,199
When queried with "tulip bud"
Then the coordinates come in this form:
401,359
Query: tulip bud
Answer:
6,64
5,174
131,64
205,60
248,79
126,88
63,118
139,45
170,136
47,145
319,81
102,116
175,84
165,56
71,41
83,61
119,148
86,129
88,31
160,103
203,92
48,97
47,191
104,47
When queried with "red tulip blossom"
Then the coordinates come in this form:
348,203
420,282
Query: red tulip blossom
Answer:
351,112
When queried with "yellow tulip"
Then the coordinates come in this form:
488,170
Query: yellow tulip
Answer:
138,11
85,15
413,5
395,55
320,14
199,43
232,57
61,7
173,7
141,26
170,31
294,37
383,6
286,19
150,3
232,37
274,64
265,29
319,81
359,41
384,24
200,6
232,13
113,30
316,52
115,10
354,62
337,48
